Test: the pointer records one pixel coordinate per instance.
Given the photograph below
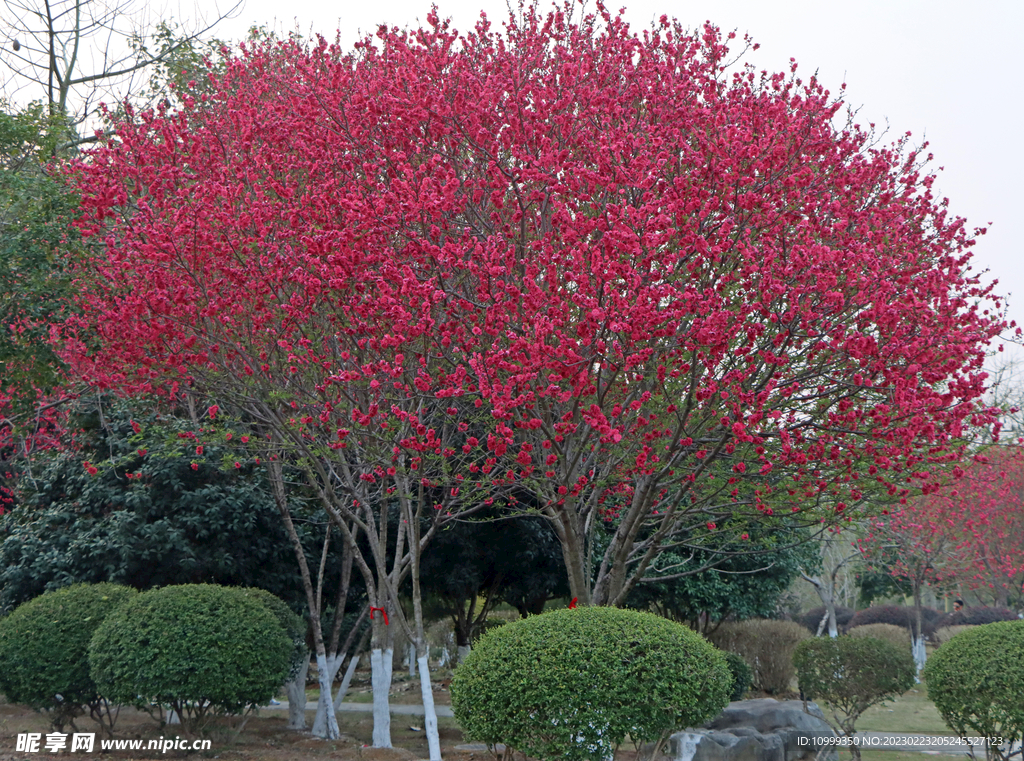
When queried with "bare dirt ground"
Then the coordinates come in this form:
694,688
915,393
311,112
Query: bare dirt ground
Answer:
264,736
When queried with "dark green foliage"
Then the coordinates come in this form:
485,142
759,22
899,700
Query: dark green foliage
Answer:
812,618
851,674
742,675
199,648
877,585
976,680
572,683
36,233
294,626
515,560
166,524
44,647
738,586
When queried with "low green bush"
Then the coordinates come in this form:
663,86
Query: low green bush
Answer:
976,681
767,646
851,674
742,675
572,683
44,647
201,649
292,623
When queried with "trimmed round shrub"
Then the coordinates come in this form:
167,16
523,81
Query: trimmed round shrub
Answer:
851,674
742,675
572,683
199,648
897,615
978,616
292,623
813,617
767,646
44,647
976,681
894,635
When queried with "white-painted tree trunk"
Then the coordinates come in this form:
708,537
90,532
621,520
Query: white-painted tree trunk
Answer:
463,654
296,691
429,712
330,730
920,655
380,679
345,682
324,704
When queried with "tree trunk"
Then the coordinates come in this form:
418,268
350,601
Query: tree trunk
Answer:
429,712
296,691
275,473
464,651
324,702
345,682
917,640
380,676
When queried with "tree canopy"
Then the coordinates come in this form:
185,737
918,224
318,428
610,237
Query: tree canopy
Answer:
672,290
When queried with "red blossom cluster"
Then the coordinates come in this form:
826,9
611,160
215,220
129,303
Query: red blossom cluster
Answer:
600,268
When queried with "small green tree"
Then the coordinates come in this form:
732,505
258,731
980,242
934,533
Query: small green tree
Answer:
573,683
44,647
851,674
976,680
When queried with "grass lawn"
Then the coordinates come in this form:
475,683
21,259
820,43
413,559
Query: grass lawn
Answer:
898,755
911,712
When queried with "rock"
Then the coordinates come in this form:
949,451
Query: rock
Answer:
757,730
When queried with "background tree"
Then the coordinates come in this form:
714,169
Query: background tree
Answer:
70,55
130,503
516,560
720,577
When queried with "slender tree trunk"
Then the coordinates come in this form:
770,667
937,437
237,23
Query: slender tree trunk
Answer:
330,729
346,681
917,642
296,691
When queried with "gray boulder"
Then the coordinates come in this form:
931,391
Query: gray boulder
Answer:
758,730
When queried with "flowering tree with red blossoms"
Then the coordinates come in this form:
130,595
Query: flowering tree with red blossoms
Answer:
967,532
628,283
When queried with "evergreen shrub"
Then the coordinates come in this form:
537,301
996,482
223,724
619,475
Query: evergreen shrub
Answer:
199,648
292,623
742,675
976,681
851,674
44,647
572,683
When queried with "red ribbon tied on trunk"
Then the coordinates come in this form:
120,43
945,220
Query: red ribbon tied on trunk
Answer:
573,603
382,612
